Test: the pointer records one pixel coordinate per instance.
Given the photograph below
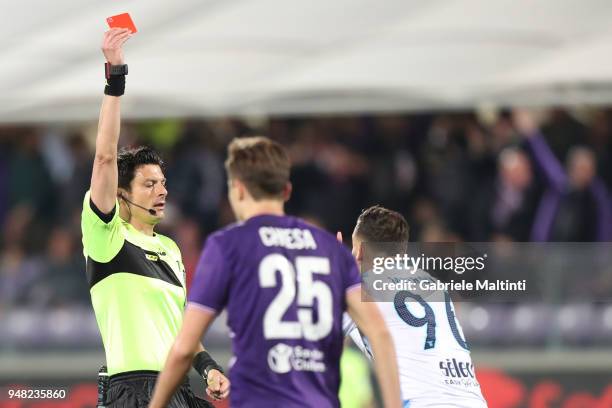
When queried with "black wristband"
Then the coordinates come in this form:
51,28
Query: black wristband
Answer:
115,85
203,363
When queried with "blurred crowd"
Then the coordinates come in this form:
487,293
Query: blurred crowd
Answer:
456,177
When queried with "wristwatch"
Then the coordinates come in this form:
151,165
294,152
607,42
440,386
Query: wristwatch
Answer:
115,70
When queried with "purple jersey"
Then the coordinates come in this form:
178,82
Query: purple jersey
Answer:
284,284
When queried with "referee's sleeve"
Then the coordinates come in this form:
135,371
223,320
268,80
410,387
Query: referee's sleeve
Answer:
102,238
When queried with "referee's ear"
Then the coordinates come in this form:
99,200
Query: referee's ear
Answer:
121,194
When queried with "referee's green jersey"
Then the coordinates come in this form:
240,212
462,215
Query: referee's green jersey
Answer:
137,285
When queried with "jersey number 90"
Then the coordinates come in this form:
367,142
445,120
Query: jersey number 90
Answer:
429,319
308,289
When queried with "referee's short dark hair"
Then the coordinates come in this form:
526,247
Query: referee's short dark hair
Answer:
382,227
129,159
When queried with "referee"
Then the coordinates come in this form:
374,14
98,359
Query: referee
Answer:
136,276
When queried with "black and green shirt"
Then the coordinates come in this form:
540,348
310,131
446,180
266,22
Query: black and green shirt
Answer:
137,286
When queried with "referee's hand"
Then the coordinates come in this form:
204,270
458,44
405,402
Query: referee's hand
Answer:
218,385
112,44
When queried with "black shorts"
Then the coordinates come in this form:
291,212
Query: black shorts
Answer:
135,389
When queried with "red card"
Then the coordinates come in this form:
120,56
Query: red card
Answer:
122,21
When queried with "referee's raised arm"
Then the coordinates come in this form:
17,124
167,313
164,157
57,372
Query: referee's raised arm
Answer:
104,177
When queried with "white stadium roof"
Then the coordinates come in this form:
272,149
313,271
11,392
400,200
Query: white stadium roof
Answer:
211,57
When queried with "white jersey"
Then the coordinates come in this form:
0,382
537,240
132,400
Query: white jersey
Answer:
434,361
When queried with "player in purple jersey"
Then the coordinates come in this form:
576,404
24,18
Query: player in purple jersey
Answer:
285,285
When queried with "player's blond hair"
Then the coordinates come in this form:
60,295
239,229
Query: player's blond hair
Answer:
261,164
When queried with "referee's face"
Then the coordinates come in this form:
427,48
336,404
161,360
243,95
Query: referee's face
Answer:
149,191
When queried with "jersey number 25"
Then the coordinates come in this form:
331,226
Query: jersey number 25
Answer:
308,289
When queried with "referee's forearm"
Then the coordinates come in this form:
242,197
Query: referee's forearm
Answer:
110,117
109,124
105,176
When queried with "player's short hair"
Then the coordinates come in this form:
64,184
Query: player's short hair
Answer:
383,229
129,159
261,164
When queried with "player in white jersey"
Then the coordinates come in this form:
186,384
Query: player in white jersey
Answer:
434,361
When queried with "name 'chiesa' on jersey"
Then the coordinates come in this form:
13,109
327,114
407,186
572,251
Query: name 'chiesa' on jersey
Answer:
290,238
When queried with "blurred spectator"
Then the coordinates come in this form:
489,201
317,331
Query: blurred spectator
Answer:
563,131
576,205
4,180
600,139
17,272
196,179
324,167
77,183
505,204
62,280
31,182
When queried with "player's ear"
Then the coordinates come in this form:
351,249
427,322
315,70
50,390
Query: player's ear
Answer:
241,189
287,191
359,256
242,192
